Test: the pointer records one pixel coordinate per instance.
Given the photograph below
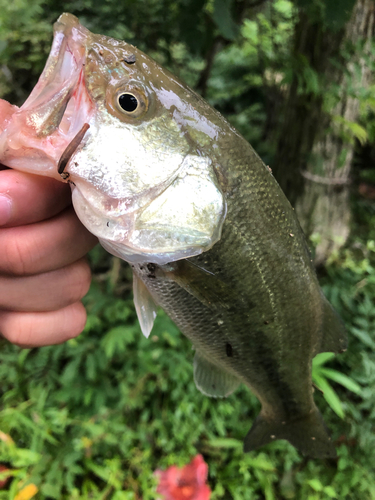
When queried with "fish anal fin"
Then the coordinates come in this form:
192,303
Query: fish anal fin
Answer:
144,305
212,380
334,337
308,434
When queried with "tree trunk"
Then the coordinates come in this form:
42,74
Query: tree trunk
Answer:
314,154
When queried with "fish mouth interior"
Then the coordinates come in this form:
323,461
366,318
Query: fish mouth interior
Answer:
59,103
37,134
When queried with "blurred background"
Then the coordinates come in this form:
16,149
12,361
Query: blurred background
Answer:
95,417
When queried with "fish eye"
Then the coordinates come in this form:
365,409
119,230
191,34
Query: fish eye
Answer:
128,102
131,102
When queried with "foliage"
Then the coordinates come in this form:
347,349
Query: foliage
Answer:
321,375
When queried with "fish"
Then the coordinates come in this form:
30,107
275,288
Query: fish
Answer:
169,186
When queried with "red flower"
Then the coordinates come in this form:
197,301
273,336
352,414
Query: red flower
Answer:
188,483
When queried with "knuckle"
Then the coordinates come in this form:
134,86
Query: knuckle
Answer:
16,257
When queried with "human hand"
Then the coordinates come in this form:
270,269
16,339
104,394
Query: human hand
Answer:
43,273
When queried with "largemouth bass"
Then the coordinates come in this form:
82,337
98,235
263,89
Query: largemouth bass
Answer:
168,185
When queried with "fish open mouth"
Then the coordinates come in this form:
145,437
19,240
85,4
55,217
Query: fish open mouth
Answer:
41,130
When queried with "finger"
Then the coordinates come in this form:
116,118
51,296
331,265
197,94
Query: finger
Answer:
45,292
27,198
36,329
45,246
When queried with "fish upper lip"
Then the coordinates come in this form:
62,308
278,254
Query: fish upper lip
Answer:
61,73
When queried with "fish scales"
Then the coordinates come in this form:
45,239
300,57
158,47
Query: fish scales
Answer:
167,184
254,312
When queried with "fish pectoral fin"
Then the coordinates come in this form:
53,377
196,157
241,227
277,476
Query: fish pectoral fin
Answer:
144,305
334,337
308,434
204,285
212,380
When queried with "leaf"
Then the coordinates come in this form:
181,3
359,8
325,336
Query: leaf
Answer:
358,131
26,458
331,492
322,358
351,129
116,340
27,492
261,462
223,19
91,371
315,484
363,336
71,371
284,7
329,394
225,443
342,379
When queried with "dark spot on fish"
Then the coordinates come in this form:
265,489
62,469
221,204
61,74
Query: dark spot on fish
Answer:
108,224
130,59
229,350
151,268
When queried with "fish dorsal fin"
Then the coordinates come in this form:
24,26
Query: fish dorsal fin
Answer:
334,337
144,305
212,380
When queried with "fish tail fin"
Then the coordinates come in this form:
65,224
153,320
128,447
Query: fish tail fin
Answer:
334,337
308,434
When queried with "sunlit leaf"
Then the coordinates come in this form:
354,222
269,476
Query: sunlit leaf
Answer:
341,379
315,484
322,358
329,394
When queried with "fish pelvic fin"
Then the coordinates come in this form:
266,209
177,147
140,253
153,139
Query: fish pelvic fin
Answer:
144,305
212,380
334,338
308,434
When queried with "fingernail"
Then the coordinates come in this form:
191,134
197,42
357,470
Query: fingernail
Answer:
5,209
